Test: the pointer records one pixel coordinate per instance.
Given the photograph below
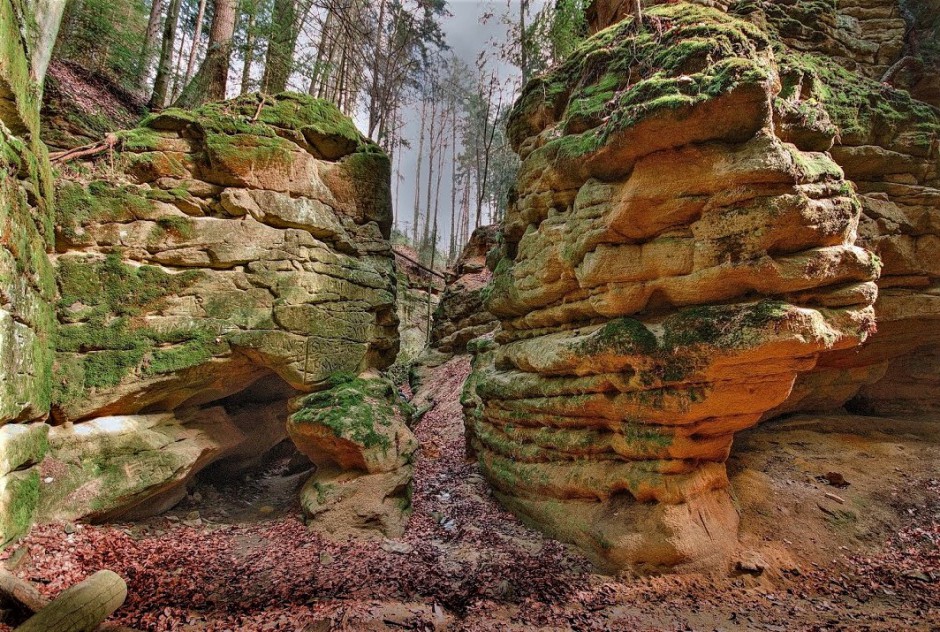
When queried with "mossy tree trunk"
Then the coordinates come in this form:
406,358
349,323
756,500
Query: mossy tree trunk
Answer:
211,81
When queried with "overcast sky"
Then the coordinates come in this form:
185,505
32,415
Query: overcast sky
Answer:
467,37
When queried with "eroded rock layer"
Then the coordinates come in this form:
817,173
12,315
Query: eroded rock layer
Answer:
673,262
461,316
888,145
241,248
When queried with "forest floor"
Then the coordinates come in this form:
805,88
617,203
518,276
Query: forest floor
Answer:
860,554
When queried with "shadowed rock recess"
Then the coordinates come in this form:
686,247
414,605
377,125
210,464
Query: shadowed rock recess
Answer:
686,244
216,265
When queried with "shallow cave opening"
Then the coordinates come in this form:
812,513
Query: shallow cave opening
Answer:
258,470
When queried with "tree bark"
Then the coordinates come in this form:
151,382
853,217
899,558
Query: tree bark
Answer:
432,153
161,84
210,82
150,43
81,607
178,82
280,54
191,66
453,187
374,102
417,208
249,53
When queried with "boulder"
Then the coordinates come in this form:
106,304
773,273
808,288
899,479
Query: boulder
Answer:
357,435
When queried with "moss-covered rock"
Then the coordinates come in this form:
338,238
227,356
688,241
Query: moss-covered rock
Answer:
357,434
221,237
26,285
679,250
357,424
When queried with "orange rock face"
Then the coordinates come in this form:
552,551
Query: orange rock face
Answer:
682,250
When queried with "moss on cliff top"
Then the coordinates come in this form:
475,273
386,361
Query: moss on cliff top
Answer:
865,111
248,115
687,54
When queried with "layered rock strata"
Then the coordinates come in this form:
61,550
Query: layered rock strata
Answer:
460,316
671,265
888,145
217,264
27,286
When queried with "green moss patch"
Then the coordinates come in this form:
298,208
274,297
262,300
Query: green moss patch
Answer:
101,338
623,75
314,118
99,201
357,410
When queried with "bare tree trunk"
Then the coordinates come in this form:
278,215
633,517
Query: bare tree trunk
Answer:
453,186
434,244
318,79
638,13
523,43
150,43
249,53
328,71
432,153
161,84
280,54
417,209
197,36
177,73
377,57
210,82
465,235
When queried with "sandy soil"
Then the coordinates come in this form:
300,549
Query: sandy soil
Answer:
840,531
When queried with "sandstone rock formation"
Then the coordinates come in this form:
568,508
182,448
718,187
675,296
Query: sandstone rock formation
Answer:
27,287
460,316
888,145
357,435
232,258
681,250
